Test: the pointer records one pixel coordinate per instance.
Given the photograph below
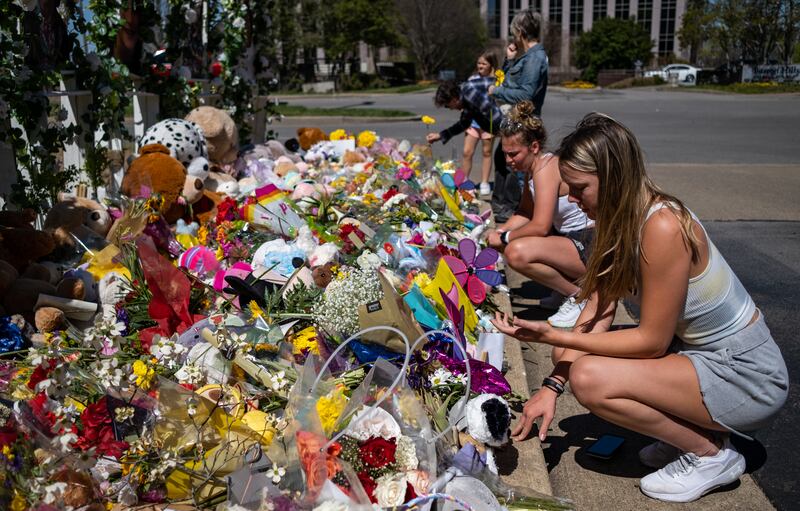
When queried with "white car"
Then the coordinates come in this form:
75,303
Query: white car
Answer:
686,74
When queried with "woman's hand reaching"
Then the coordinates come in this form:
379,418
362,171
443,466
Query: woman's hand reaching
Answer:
520,329
542,404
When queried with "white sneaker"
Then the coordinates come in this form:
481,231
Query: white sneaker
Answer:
567,314
658,454
690,476
552,302
485,189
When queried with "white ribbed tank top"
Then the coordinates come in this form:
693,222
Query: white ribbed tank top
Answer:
568,216
717,304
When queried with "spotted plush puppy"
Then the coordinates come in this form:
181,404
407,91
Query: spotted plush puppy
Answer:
185,141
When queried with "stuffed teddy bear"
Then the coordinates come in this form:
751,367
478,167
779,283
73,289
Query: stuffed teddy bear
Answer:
310,136
155,171
184,140
488,419
222,136
77,217
20,243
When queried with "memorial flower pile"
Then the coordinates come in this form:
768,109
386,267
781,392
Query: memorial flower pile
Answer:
192,380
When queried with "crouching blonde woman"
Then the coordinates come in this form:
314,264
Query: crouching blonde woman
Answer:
701,363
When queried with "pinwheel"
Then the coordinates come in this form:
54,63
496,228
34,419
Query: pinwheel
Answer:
458,181
470,270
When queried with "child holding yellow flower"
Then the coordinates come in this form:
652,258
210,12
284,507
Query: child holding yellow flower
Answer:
486,68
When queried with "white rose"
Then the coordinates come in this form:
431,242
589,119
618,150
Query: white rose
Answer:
190,16
368,261
373,422
391,490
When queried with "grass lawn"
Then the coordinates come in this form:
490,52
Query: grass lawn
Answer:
751,88
401,89
297,111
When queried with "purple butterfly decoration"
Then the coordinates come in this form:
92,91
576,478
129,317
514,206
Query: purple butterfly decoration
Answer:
470,271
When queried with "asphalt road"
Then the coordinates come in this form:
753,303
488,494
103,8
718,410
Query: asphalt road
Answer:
734,159
673,126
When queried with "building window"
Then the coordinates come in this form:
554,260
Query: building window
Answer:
536,5
493,21
576,17
645,14
599,10
556,10
666,34
622,9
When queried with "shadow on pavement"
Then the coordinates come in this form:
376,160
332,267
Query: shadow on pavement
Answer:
583,430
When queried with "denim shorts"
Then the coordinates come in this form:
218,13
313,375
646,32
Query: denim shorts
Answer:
743,378
583,241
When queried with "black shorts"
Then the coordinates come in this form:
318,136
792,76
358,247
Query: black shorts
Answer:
583,241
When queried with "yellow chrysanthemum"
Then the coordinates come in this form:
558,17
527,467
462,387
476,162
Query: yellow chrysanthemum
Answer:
255,310
360,179
428,119
305,341
422,280
499,78
339,182
339,134
144,374
202,235
366,138
330,407
18,503
370,198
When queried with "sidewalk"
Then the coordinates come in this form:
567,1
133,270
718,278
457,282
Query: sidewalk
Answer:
594,484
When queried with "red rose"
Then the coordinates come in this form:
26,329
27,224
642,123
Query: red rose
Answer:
389,194
40,374
227,211
377,452
216,69
95,415
410,493
368,484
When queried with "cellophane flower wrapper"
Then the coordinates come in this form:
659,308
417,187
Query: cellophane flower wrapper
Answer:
208,437
467,462
309,470
399,420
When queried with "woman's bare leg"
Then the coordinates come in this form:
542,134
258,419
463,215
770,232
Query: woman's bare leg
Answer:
470,143
551,261
656,397
486,163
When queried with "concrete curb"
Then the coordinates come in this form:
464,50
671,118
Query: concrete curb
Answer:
521,463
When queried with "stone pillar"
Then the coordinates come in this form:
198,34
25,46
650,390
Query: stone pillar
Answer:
610,8
655,29
566,61
680,10
588,14
504,19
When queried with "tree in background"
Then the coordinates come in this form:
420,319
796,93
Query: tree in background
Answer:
441,35
732,31
612,43
345,23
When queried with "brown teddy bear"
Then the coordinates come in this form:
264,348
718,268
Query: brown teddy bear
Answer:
310,136
155,171
84,218
222,136
19,295
20,243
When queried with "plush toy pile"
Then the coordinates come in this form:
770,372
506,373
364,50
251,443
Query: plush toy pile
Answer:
253,328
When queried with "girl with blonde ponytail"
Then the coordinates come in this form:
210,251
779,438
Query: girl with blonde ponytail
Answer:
701,363
548,238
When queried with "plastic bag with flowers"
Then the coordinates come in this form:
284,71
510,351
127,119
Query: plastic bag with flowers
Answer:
369,446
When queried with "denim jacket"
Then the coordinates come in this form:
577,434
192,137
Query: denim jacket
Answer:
526,78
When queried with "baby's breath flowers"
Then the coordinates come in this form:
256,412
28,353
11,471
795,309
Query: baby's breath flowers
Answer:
337,310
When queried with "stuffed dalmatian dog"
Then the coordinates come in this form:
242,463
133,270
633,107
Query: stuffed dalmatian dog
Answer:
185,141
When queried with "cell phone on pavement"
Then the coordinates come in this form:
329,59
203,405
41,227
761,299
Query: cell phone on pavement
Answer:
605,446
